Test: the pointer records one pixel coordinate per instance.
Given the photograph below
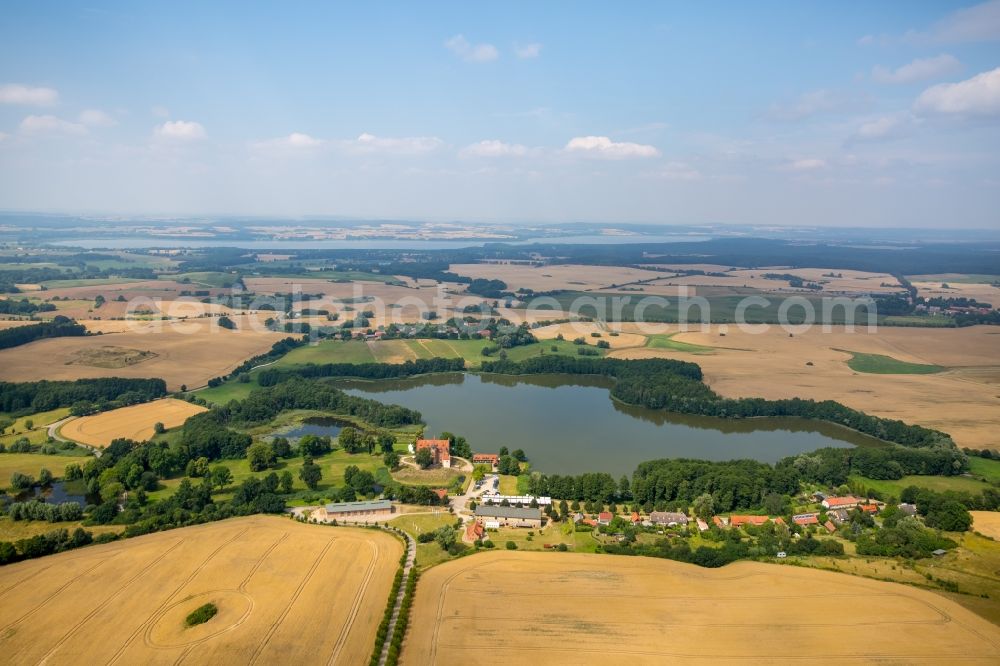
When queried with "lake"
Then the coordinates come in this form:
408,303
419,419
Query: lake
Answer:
314,425
570,424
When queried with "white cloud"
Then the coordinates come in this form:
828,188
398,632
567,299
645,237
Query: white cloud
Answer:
15,93
97,118
920,69
526,51
403,145
294,142
603,147
461,47
493,148
807,164
883,128
181,130
978,96
50,125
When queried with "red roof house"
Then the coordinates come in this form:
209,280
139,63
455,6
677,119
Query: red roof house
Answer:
440,450
604,517
805,519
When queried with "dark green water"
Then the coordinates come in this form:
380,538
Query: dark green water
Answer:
570,424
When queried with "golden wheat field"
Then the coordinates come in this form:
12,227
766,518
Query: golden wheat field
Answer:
547,278
182,352
987,523
598,609
286,593
134,422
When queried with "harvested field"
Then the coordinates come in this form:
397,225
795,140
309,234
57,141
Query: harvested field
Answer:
987,523
576,329
596,609
286,593
133,422
547,278
985,293
963,400
189,352
109,356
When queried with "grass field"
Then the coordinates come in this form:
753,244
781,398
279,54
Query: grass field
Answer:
204,279
938,483
33,463
134,422
428,554
270,578
589,609
989,470
39,432
666,341
12,530
328,351
879,364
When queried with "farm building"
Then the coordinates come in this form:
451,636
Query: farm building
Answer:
840,502
492,517
371,510
805,519
740,521
517,499
839,515
490,459
908,509
604,517
474,531
668,518
440,450
702,525
830,527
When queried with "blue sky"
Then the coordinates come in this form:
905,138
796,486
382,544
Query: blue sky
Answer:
875,114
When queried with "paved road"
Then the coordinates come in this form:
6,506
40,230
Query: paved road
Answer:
460,503
54,434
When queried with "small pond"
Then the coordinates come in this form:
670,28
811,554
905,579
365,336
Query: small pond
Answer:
314,425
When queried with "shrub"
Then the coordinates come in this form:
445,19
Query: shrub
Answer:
201,615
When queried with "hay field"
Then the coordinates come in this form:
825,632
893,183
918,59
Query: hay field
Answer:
576,329
547,278
985,293
987,523
132,422
286,593
962,401
189,352
595,609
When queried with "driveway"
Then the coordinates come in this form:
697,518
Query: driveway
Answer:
460,503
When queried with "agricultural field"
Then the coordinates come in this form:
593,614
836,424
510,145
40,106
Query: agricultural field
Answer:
33,463
979,288
127,601
549,278
134,422
894,487
182,353
880,364
987,523
744,611
962,400
38,433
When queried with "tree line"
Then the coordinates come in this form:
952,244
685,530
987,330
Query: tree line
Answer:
57,328
95,394
273,376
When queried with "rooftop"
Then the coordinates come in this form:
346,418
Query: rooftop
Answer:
370,505
508,512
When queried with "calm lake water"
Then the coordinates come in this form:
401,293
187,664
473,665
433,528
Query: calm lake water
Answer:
570,424
316,425
54,493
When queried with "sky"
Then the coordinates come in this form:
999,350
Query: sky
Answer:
806,113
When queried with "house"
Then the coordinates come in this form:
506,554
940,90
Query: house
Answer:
490,459
668,518
440,450
371,510
830,527
604,517
939,552
440,492
869,508
702,525
819,497
908,509
720,521
635,518
839,515
474,531
739,521
492,517
840,502
805,519
577,517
